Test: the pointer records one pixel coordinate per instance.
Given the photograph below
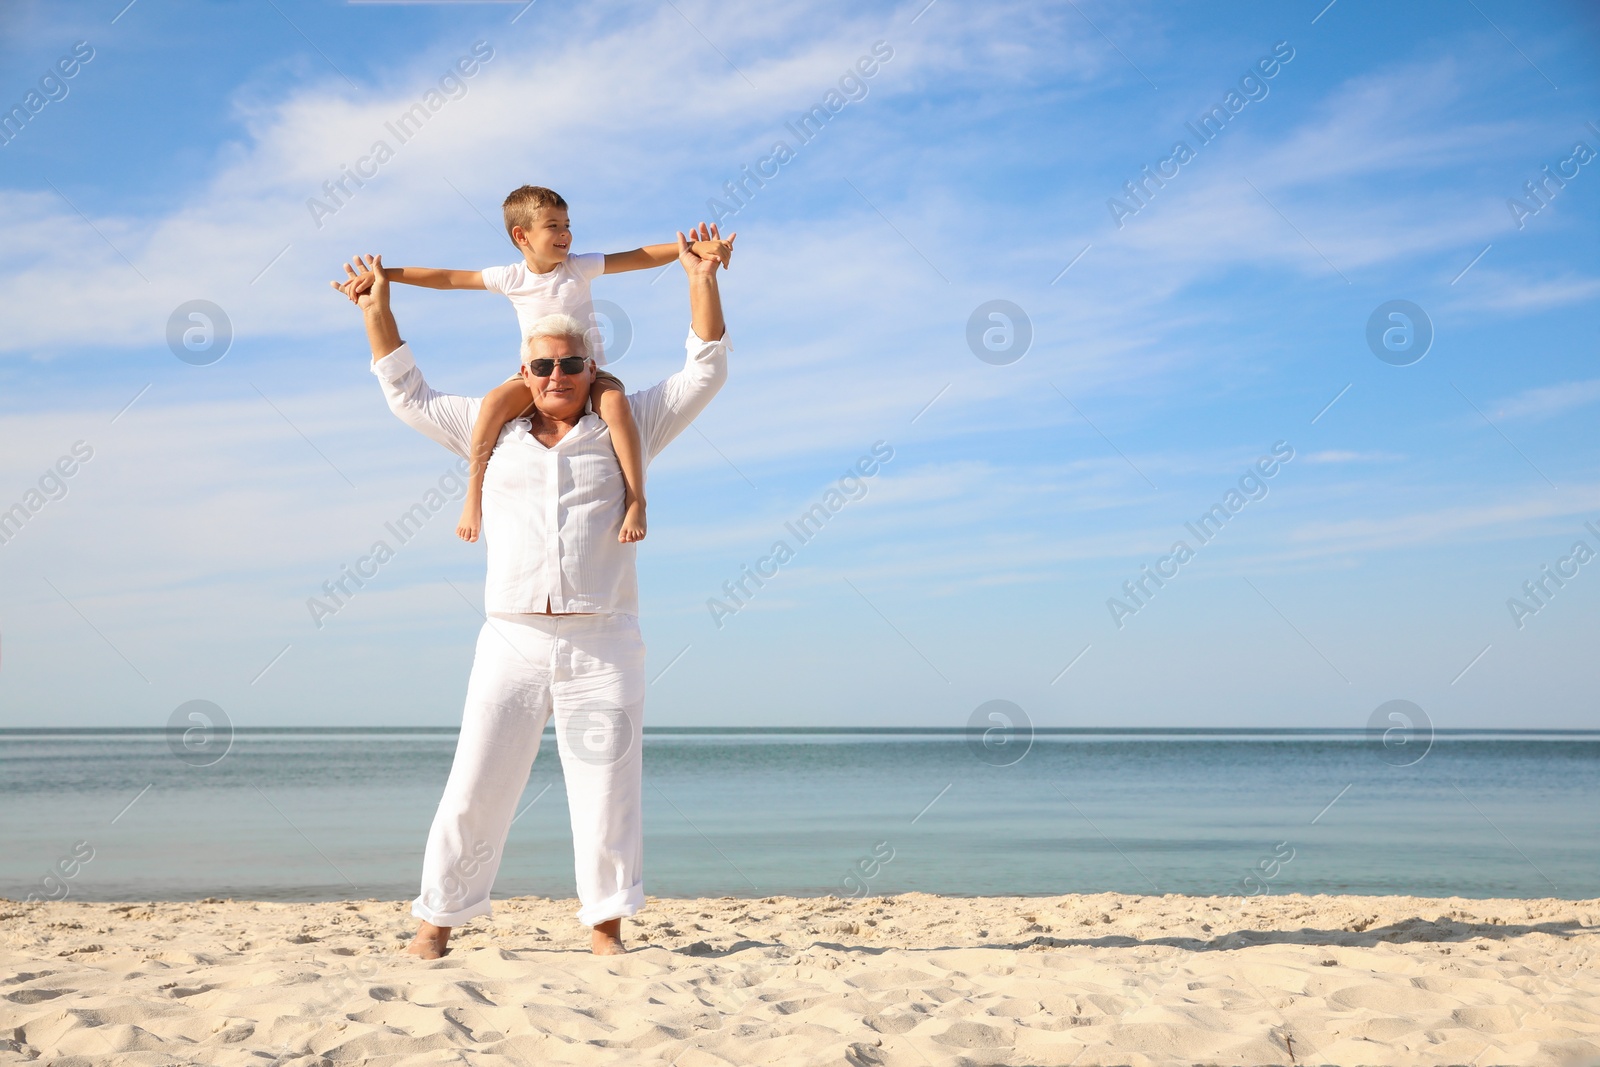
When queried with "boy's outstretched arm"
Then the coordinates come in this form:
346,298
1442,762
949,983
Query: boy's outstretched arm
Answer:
712,247
435,278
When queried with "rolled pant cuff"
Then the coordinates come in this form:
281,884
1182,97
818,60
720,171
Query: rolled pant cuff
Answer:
451,918
619,905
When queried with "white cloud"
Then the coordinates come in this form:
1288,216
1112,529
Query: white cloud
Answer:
1546,401
1495,516
1363,181
254,205
205,521
638,94
1503,293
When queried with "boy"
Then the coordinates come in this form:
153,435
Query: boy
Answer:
549,280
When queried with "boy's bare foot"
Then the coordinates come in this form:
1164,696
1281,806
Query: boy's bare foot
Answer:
605,939
430,942
633,524
471,520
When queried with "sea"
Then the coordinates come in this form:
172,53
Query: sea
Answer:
321,814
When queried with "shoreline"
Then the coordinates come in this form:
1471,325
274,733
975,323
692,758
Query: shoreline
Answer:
905,979
11,904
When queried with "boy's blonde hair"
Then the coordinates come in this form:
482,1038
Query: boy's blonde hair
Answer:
523,203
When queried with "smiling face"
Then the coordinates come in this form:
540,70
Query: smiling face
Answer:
558,395
546,242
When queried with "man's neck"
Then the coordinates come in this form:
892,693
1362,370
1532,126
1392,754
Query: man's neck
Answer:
549,429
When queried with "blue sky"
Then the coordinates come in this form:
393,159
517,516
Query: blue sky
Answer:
1174,341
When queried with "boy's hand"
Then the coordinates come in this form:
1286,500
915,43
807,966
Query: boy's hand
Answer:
366,285
716,248
696,264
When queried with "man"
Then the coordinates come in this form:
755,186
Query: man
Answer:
561,634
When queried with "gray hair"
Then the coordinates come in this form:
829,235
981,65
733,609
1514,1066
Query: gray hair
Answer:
557,325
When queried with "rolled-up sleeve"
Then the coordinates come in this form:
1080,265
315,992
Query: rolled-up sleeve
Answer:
666,408
444,417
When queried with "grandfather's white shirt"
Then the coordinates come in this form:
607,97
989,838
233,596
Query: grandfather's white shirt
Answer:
551,515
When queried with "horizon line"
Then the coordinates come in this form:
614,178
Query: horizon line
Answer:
951,731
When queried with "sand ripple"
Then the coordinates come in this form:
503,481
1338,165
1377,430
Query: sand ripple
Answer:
905,981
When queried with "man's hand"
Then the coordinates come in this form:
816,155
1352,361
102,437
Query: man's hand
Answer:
365,284
697,264
705,302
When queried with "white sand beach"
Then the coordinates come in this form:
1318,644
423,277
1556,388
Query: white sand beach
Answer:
905,980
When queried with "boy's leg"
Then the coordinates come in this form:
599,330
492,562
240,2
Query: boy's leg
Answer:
612,405
504,403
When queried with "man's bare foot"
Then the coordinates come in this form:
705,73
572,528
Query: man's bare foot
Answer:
633,524
471,520
430,942
605,938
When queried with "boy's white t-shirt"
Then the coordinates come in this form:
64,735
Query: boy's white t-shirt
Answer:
564,290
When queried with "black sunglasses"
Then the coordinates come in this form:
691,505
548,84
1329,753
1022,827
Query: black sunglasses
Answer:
541,368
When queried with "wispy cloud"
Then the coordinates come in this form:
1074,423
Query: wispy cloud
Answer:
1208,327
1546,401
1504,293
1501,516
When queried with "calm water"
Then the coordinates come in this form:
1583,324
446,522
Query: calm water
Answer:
319,815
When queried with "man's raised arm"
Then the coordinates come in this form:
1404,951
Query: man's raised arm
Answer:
442,417
705,301
367,286
665,409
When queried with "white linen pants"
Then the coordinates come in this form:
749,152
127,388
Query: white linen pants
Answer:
588,670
